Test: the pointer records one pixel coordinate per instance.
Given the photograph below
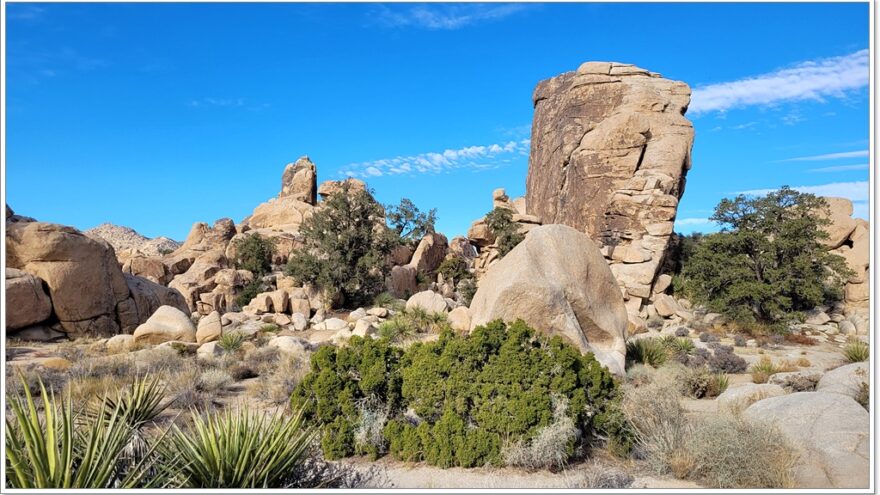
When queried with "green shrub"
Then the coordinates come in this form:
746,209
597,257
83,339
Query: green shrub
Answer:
701,383
346,245
384,300
466,289
410,224
457,401
650,351
455,268
856,351
231,341
506,231
254,253
249,292
768,262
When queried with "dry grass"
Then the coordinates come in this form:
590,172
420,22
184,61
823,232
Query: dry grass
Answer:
763,369
801,339
550,447
276,386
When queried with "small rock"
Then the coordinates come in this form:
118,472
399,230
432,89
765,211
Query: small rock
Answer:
460,319
816,318
333,324
429,301
363,328
299,321
290,345
356,315
378,311
208,350
210,328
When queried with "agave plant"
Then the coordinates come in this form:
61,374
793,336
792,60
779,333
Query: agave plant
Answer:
648,351
231,341
54,450
240,449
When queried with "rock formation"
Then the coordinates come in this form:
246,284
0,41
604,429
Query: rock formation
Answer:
609,154
558,282
850,237
88,291
127,242
300,181
483,246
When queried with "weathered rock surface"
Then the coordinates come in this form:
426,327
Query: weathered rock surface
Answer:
846,380
147,297
84,280
559,283
165,325
831,431
402,281
427,300
209,329
430,253
127,242
300,181
460,319
850,238
26,300
285,213
609,154
331,187
736,399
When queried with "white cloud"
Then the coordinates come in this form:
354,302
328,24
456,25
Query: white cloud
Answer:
839,168
811,80
24,12
830,156
854,191
693,221
217,102
446,16
470,157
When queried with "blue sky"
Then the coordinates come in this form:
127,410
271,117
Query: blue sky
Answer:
156,116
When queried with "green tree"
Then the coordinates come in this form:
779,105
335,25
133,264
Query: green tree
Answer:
767,263
254,253
506,231
346,243
409,222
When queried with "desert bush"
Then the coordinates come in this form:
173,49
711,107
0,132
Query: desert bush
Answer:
599,477
731,452
346,245
856,351
551,446
739,341
454,401
768,262
384,300
700,383
213,380
466,289
368,435
261,359
650,351
408,222
239,449
455,268
682,332
655,322
863,397
506,231
254,253
707,337
724,360
406,323
764,368
231,341
277,386
270,328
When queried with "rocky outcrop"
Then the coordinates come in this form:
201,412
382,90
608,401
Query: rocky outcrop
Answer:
165,325
830,431
127,242
26,300
429,253
88,291
300,181
482,239
609,154
850,238
331,187
559,283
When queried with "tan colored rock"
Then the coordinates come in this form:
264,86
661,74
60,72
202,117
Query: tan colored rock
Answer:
145,298
165,325
290,345
662,283
300,306
151,268
430,253
300,181
520,205
285,213
736,399
83,277
209,329
462,247
402,281
331,187
666,305
846,380
429,301
557,281
830,431
609,154
842,223
480,233
460,319
26,300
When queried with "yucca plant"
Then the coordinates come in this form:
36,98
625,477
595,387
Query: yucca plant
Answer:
648,351
54,450
677,345
762,370
240,449
141,402
231,341
856,351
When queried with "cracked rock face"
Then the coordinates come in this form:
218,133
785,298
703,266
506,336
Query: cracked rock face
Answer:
609,154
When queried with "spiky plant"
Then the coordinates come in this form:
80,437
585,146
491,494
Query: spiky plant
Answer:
56,450
240,449
856,351
649,351
231,341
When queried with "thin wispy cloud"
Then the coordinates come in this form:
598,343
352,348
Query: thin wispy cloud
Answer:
834,77
217,102
830,156
16,12
854,191
693,221
839,168
470,157
445,16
